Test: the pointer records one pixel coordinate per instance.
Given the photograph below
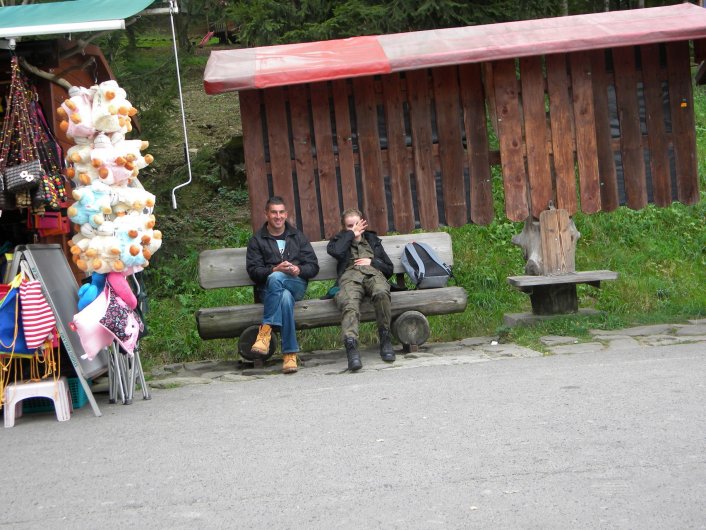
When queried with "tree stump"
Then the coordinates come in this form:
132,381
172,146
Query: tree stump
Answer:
248,338
411,328
549,246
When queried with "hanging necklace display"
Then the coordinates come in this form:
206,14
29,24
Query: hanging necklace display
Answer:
19,158
29,155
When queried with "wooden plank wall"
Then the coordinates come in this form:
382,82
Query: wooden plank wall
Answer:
588,131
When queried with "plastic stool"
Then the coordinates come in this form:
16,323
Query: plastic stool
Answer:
57,391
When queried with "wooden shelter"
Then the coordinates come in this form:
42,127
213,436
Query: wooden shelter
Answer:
589,111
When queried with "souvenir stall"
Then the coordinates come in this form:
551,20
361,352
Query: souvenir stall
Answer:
83,228
89,188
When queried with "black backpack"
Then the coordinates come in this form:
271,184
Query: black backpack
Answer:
424,267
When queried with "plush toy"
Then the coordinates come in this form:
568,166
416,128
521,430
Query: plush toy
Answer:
76,113
79,167
121,288
122,322
132,199
111,109
79,244
87,323
129,153
151,243
92,204
89,291
103,252
129,230
105,160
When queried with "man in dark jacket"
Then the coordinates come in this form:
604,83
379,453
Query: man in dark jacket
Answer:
363,269
280,261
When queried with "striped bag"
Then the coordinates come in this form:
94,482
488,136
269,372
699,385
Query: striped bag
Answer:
37,317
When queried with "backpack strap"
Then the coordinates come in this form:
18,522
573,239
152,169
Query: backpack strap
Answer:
433,255
420,263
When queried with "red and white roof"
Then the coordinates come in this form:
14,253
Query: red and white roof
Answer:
287,64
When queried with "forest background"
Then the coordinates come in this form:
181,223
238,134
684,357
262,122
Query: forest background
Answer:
660,253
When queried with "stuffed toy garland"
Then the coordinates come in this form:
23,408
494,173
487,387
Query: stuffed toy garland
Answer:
112,213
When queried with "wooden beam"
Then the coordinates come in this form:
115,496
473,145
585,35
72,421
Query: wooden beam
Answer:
230,322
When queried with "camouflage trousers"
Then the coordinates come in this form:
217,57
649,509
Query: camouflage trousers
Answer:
355,285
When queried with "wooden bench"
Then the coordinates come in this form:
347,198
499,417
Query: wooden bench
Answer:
226,268
550,247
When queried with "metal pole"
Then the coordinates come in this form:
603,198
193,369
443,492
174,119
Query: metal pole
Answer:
172,10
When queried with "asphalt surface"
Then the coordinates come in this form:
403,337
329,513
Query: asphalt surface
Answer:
603,438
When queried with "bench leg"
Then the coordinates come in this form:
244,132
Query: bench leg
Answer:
554,299
248,338
411,328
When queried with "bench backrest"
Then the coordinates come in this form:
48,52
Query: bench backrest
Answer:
225,267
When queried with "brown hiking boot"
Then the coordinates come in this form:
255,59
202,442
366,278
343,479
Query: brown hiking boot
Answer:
262,343
289,363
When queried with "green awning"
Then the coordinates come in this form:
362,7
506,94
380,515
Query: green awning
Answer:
73,16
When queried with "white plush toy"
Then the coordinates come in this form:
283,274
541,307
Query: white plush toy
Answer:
130,153
111,109
103,251
131,199
80,170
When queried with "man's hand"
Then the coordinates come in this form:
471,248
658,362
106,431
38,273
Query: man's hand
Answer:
360,227
363,261
287,268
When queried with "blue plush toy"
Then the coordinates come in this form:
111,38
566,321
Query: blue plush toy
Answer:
92,203
90,291
129,236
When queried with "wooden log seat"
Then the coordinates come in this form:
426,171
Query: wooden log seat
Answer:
549,247
226,268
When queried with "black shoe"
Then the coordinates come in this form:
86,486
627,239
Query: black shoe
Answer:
353,354
387,354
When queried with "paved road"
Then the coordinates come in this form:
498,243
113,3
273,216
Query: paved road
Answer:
606,438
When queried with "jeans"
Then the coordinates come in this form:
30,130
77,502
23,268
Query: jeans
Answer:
280,294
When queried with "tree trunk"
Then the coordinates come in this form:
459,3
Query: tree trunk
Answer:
181,23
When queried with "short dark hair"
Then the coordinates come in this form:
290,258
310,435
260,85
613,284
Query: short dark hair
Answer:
275,199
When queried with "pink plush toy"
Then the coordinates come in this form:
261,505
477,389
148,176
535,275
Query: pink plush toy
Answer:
94,337
76,113
118,282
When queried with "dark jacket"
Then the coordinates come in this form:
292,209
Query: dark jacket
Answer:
340,248
263,255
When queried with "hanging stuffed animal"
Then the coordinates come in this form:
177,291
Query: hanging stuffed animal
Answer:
90,291
92,204
76,113
132,199
129,230
79,167
111,109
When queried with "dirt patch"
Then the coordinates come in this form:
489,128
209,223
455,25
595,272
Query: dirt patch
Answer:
210,120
